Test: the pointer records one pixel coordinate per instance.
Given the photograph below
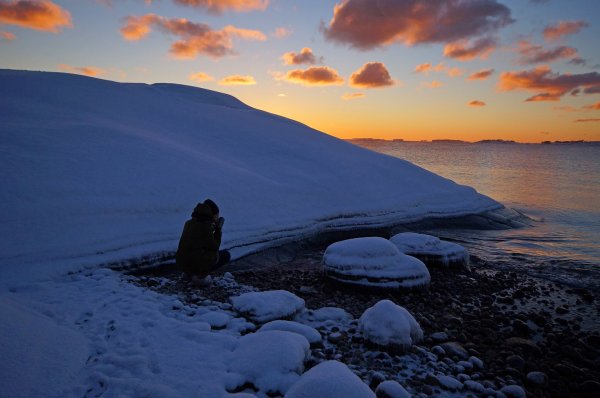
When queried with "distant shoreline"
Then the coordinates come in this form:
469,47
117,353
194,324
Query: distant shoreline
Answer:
496,141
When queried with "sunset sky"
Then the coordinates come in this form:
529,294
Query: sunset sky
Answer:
525,70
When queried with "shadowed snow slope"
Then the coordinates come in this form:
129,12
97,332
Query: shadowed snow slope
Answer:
98,171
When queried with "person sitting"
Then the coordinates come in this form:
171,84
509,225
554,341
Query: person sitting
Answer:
198,251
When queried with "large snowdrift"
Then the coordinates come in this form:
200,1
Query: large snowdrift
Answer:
97,171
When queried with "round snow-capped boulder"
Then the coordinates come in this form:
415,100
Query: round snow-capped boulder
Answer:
329,379
373,263
391,389
389,325
312,335
267,306
431,250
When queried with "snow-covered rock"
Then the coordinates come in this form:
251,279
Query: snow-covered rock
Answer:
267,306
375,263
513,391
450,383
431,250
323,316
390,325
271,361
391,389
329,379
312,335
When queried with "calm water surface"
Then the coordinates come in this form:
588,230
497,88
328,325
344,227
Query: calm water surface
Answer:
557,185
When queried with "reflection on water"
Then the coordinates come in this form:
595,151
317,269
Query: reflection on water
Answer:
556,185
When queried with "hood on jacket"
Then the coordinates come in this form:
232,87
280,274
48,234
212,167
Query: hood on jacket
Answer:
202,212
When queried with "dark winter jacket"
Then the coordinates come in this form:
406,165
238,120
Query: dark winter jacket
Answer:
199,243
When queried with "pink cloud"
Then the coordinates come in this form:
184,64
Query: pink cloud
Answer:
280,33
533,54
82,70
237,80
195,38
35,14
481,75
466,51
372,75
476,103
586,120
7,36
305,56
427,67
314,76
548,85
432,84
366,24
595,106
219,6
423,68
563,28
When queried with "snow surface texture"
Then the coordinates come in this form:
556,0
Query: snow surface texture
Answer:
431,250
388,324
267,306
311,334
330,379
98,171
373,262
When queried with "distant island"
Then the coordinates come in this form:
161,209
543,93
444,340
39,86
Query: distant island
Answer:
451,141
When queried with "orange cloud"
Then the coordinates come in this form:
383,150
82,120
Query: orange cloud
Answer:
427,67
314,76
352,96
476,103
7,36
563,28
532,54
237,80
200,77
366,24
586,120
195,38
372,75
466,51
550,86
305,56
433,84
35,14
595,106
82,70
219,6
481,75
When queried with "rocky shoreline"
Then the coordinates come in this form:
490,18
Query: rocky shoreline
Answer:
490,331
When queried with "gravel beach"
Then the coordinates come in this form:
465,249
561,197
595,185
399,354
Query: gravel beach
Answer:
489,330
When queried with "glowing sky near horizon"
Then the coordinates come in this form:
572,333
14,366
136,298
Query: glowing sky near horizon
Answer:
524,70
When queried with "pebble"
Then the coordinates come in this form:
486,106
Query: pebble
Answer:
537,379
454,348
440,336
478,363
513,391
391,389
450,383
335,337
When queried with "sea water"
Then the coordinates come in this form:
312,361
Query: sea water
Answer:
556,185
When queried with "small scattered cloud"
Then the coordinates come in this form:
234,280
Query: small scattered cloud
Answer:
237,80
220,6
305,56
549,86
366,25
92,71
280,33
481,75
586,120
563,28
352,96
534,54
314,76
372,75
466,50
432,84
200,77
35,14
427,67
282,95
195,38
595,106
7,36
476,103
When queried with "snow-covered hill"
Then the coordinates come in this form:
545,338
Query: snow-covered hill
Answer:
97,171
